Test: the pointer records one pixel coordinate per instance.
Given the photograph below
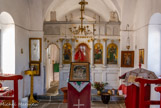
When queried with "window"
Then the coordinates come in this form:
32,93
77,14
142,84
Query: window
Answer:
7,44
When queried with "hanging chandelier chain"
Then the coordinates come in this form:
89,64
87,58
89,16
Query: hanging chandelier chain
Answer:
81,29
128,38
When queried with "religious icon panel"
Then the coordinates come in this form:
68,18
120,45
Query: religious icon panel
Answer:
98,51
67,53
35,50
141,56
112,54
79,72
127,59
82,53
35,67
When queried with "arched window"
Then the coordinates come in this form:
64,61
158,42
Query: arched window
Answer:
7,43
154,44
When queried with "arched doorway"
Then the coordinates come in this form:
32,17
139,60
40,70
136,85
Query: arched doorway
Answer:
52,69
7,44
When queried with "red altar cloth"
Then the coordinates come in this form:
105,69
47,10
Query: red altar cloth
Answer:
79,99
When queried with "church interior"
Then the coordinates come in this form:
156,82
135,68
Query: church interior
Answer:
80,53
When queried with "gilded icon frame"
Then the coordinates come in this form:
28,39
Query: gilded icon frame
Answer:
98,53
127,58
35,50
67,48
141,56
79,72
36,67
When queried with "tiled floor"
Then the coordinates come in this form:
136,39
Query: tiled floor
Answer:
54,104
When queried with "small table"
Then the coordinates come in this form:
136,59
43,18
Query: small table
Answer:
31,73
64,90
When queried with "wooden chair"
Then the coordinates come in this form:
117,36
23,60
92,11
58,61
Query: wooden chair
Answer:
142,102
158,89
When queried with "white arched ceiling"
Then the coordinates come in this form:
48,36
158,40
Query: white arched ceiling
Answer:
99,7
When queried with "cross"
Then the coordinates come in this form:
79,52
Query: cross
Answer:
78,105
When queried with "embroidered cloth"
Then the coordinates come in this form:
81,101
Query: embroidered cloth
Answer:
79,86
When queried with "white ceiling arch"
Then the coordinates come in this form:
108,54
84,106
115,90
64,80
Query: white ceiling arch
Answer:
63,7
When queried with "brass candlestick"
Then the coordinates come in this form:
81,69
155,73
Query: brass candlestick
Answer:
31,73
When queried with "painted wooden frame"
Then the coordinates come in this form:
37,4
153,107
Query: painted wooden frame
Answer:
127,58
112,54
98,53
67,53
79,72
36,67
141,56
35,50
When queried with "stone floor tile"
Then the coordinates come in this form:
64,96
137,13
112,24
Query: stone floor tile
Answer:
97,104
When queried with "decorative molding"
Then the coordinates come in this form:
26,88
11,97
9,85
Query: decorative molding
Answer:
105,40
92,39
73,40
61,40
98,40
112,41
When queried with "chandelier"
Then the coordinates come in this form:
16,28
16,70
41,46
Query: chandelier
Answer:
81,29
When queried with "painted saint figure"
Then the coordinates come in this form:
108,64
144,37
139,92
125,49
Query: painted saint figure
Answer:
67,53
98,53
112,54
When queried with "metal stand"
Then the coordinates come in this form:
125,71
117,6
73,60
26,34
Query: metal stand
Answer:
31,100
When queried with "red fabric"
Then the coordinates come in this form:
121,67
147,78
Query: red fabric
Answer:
84,96
123,88
15,79
6,93
79,55
132,99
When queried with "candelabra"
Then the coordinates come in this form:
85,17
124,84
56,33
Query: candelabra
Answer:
81,29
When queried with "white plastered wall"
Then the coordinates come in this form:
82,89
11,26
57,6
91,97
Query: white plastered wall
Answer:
22,15
143,12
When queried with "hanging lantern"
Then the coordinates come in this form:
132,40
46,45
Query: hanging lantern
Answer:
128,38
